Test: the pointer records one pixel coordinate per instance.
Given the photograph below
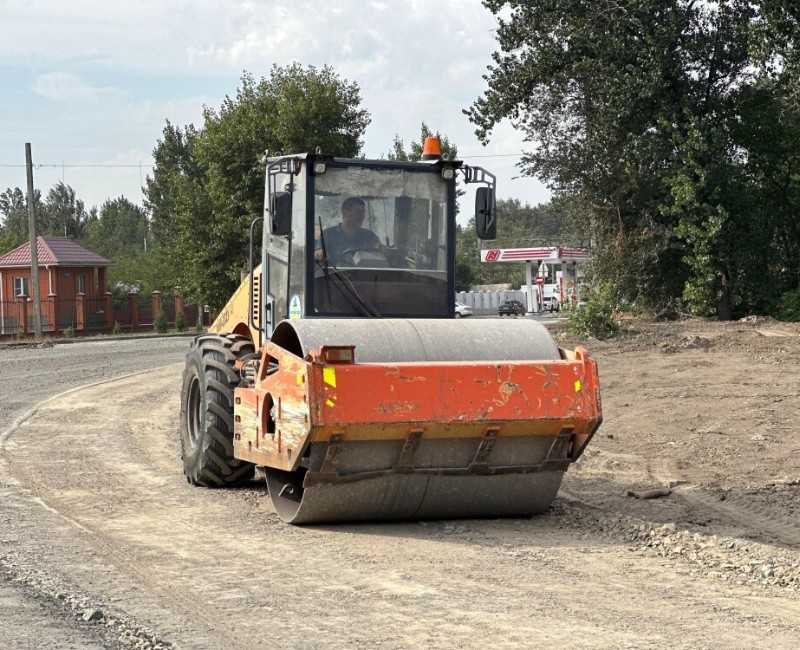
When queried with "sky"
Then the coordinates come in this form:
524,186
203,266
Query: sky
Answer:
92,82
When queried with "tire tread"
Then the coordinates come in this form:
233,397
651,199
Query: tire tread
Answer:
211,463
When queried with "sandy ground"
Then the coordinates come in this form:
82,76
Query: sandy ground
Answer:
95,516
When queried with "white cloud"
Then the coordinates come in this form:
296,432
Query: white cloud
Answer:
415,60
62,86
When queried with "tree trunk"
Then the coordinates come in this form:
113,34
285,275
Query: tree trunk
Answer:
724,310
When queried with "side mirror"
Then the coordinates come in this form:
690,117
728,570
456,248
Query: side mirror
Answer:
485,218
281,214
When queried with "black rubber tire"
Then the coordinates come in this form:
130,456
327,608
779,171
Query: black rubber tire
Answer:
206,428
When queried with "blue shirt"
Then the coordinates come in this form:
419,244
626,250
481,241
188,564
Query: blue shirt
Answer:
337,241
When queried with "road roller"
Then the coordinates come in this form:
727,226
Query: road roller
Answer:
339,370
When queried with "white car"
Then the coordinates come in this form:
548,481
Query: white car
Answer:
551,304
462,311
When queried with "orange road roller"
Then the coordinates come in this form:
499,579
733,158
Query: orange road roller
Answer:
338,366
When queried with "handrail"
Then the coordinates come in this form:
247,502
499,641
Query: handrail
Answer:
250,319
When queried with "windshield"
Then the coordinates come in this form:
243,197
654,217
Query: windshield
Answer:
380,242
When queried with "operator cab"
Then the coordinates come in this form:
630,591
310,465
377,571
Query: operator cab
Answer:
362,238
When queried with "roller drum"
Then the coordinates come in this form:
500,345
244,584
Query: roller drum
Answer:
409,496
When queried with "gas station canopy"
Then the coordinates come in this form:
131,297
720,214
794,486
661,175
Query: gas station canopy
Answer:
564,286
551,254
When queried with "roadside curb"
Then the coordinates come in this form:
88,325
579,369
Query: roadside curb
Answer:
93,339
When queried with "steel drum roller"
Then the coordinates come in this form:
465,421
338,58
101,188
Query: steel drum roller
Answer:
419,495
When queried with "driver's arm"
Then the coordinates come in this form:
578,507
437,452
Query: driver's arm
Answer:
333,247
370,240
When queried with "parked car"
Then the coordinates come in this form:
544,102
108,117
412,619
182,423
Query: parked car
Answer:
462,311
511,308
551,304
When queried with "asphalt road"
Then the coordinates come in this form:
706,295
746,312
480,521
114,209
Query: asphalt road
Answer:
28,376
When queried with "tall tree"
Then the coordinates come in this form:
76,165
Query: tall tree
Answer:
636,110
119,227
208,183
14,222
64,213
14,217
174,164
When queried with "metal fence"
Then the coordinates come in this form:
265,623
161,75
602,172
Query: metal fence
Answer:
122,315
10,318
487,302
89,314
145,310
168,307
95,314
64,315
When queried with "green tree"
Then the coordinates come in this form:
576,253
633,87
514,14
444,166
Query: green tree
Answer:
14,222
118,228
118,231
208,183
174,164
64,214
643,114
14,218
61,210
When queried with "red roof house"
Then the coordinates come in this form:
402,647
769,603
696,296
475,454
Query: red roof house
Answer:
72,286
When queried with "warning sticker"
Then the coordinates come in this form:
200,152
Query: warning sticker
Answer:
295,308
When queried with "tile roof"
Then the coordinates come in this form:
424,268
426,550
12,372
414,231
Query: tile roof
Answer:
53,251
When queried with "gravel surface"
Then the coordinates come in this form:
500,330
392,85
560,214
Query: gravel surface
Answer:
678,528
29,375
37,609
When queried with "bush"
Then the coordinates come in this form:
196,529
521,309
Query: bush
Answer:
160,324
69,332
180,323
789,307
596,316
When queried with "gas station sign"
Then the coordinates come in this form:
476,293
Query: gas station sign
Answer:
538,254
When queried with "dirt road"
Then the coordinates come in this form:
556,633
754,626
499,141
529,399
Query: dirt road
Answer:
95,509
27,376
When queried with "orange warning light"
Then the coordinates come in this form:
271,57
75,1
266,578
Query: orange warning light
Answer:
432,149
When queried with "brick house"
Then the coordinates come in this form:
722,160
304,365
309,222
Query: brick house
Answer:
72,287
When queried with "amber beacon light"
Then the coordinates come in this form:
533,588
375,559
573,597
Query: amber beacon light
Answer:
432,149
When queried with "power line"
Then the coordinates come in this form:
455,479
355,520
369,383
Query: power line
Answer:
63,166
493,155
81,165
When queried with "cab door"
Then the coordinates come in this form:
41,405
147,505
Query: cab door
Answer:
283,259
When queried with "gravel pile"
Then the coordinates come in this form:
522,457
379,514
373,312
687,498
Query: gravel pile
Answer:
116,630
714,556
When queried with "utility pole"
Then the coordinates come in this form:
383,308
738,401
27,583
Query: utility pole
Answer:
37,305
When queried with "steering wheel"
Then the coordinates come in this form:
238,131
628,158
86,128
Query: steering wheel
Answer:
348,254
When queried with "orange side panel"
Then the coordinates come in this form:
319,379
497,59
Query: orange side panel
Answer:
306,401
